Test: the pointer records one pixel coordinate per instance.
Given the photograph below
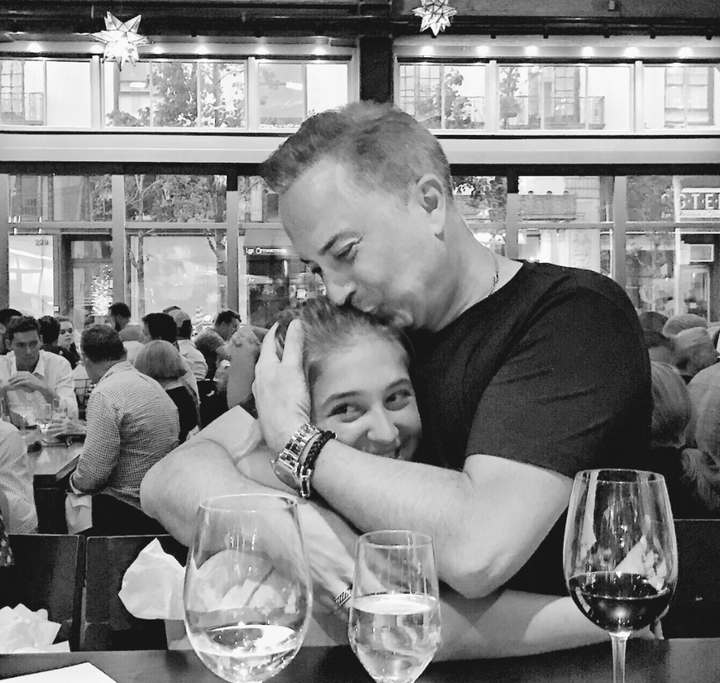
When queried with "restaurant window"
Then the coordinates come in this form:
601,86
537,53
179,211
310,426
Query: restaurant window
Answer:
186,269
35,92
178,94
88,279
673,244
681,96
443,96
43,198
482,201
175,198
564,97
290,92
562,201
31,274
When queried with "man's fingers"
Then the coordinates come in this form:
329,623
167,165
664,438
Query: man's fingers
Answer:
268,352
292,354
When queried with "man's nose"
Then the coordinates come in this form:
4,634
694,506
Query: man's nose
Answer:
381,427
339,292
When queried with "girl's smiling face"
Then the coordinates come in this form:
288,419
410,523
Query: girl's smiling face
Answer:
363,393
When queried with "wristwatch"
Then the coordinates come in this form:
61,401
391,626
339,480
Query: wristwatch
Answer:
288,466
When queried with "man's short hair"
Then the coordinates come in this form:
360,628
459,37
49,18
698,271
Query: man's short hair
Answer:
382,148
120,309
102,343
49,329
161,326
183,322
22,323
7,313
170,309
227,316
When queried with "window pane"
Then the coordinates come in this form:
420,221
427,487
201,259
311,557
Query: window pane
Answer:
222,95
566,247
565,199
22,92
175,198
519,98
175,90
68,94
127,94
60,198
481,199
327,87
458,104
650,263
31,274
564,97
282,90
650,198
186,270
680,96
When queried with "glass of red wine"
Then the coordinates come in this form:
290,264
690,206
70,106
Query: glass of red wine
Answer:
620,552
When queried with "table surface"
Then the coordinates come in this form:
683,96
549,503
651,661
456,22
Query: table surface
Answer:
54,460
670,661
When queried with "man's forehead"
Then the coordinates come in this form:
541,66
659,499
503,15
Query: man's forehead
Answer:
26,337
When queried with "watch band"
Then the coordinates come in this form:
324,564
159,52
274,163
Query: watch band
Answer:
288,466
307,466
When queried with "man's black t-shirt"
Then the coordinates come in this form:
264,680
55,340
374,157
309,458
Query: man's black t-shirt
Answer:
551,371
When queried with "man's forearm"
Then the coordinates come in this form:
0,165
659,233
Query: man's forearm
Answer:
486,520
174,487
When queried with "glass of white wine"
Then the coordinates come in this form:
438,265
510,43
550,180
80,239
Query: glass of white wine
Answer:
44,418
394,626
247,596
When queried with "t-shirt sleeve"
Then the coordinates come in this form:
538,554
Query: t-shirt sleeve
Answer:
573,392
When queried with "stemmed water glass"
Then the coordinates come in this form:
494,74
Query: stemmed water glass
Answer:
620,552
44,418
394,626
247,596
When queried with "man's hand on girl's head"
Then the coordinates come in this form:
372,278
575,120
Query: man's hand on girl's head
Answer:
281,393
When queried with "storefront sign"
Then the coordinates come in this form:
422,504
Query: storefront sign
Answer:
700,204
267,251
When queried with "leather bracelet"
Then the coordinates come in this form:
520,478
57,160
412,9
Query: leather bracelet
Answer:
308,464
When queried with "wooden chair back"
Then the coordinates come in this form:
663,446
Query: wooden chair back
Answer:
107,624
695,608
49,573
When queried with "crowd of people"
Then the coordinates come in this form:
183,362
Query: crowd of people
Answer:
145,398
439,386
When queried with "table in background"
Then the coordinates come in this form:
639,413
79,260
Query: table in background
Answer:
670,661
50,466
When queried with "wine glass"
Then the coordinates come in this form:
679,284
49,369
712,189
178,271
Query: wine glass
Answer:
247,595
394,626
44,418
620,552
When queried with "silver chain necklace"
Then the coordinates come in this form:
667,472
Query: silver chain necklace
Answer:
496,275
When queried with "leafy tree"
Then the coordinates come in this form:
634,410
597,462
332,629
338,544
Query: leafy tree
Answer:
488,192
509,82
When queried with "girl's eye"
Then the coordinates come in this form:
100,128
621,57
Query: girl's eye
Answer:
399,399
346,412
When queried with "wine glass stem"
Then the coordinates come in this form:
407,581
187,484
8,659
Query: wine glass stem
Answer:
618,649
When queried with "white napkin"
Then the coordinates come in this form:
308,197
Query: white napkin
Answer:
22,630
152,587
78,512
79,673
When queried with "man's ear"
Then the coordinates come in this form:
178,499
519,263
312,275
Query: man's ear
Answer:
430,194
8,345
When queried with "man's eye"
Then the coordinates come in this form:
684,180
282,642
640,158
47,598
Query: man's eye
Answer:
348,252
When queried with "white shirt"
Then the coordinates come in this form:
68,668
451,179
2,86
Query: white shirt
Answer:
16,482
55,373
197,362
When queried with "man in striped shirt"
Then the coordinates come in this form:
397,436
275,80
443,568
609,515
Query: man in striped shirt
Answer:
131,424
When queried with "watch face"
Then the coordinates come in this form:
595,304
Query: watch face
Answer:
285,473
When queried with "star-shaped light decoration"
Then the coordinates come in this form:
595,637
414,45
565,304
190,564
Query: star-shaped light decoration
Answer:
435,15
121,39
